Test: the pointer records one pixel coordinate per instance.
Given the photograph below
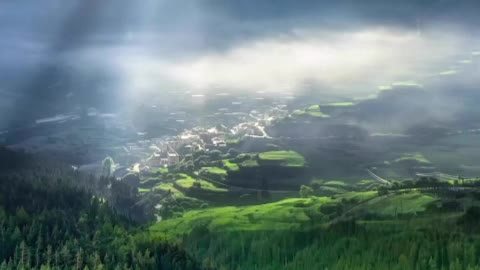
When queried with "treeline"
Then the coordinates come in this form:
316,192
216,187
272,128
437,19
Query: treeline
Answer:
50,218
344,246
431,183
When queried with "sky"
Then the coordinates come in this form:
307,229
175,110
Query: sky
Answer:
89,52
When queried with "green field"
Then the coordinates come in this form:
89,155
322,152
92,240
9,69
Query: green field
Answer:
188,182
416,157
287,214
284,158
230,165
366,182
290,214
214,170
164,187
407,83
249,163
326,190
313,111
169,187
448,72
400,204
339,104
232,142
336,183
358,196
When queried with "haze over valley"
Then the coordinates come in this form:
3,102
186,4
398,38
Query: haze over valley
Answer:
211,135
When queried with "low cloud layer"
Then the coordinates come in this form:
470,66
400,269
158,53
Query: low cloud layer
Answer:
333,62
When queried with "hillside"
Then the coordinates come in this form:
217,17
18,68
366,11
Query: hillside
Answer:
362,228
51,219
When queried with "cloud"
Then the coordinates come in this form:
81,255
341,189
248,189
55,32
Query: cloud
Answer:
218,46
349,62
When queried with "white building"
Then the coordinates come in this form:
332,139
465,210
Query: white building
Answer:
173,158
219,142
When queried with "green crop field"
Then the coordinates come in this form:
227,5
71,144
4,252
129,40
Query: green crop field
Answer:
313,111
214,170
285,158
167,187
143,190
400,204
249,163
188,182
339,104
230,165
287,214
326,190
358,196
365,182
418,157
164,187
335,183
282,215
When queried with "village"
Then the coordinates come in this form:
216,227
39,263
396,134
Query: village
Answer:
167,151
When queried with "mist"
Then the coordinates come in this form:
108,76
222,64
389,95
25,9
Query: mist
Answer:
117,54
346,63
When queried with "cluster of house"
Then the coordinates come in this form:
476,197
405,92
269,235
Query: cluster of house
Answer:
203,139
159,152
166,151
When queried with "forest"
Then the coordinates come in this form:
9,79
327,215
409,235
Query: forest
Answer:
51,218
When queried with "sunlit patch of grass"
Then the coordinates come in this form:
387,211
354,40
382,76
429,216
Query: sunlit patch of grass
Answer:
385,87
313,111
418,157
249,163
366,182
394,85
466,61
339,104
331,190
448,72
358,196
230,165
214,170
169,187
336,183
232,141
407,83
288,214
401,204
317,114
166,187
189,182
284,158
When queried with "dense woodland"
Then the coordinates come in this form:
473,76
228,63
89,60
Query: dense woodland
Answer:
51,218
343,246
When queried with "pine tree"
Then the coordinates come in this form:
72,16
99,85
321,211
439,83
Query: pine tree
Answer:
79,260
4,265
24,256
38,251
